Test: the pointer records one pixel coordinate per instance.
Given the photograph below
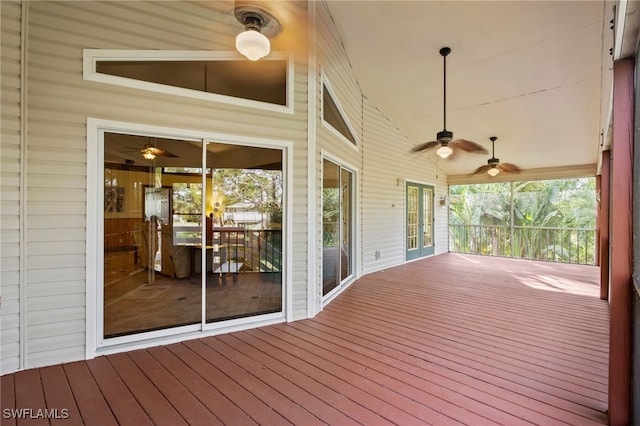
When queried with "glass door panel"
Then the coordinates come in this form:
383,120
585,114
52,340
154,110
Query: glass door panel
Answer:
337,217
427,217
346,213
244,210
330,226
420,220
148,272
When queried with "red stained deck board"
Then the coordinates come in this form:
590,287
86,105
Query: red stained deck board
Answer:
259,388
122,403
158,408
217,403
436,351
91,403
388,404
286,397
59,397
570,356
503,395
191,352
514,309
395,319
342,410
501,350
7,397
394,378
189,407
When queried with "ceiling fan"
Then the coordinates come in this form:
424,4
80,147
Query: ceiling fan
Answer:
150,152
494,166
444,137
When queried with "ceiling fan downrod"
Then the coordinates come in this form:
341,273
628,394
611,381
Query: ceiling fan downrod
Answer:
444,135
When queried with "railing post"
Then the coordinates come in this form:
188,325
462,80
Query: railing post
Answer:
512,222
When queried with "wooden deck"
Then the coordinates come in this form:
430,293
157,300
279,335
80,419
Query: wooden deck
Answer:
452,339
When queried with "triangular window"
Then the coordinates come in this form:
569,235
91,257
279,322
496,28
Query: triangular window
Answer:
332,115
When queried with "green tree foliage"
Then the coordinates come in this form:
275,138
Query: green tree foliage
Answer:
552,219
259,188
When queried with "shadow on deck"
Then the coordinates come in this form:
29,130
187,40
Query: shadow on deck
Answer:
452,339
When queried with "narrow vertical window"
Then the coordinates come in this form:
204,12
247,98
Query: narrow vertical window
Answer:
337,213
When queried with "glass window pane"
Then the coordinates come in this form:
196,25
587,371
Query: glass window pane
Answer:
427,215
345,254
264,81
412,217
330,226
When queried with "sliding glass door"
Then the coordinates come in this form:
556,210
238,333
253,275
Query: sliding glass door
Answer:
337,214
192,234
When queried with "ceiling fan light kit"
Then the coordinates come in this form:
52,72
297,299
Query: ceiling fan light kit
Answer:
494,167
252,43
148,155
150,151
444,151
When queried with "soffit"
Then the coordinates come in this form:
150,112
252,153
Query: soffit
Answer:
528,72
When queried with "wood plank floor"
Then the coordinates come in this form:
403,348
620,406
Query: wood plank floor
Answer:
452,339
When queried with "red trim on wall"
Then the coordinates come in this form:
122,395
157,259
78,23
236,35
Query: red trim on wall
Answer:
603,224
620,239
598,215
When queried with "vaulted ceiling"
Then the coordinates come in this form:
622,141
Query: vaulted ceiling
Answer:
535,74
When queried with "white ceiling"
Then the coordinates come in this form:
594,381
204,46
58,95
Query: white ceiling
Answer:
531,73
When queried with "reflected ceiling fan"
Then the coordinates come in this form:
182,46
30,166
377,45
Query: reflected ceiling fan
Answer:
150,152
494,166
444,137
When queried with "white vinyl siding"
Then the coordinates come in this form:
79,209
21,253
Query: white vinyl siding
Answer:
388,164
333,66
61,101
10,178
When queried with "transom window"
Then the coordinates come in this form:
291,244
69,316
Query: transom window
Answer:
218,76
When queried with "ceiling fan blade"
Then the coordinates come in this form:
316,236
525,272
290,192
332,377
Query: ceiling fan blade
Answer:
426,145
509,168
468,146
165,153
158,152
481,169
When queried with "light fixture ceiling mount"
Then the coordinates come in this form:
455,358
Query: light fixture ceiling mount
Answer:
259,25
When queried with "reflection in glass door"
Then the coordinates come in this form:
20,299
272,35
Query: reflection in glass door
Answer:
420,220
148,278
337,184
244,207
175,231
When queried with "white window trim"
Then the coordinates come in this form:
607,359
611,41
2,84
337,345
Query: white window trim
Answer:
325,83
95,343
90,58
355,231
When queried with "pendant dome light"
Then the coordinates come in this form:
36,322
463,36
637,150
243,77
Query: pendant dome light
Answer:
252,42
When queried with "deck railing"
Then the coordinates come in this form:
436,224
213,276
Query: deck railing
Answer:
568,245
258,250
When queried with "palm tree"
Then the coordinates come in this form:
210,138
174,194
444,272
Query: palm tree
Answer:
552,220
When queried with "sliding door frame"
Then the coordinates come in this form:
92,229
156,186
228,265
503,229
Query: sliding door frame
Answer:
96,344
